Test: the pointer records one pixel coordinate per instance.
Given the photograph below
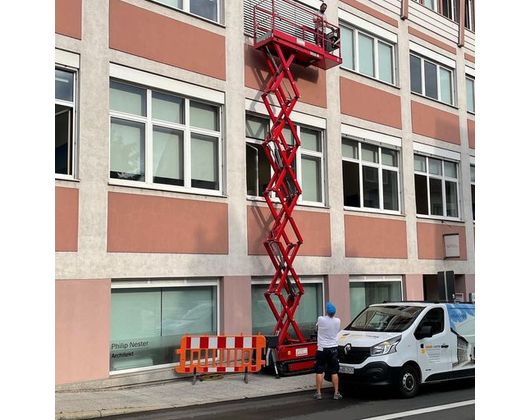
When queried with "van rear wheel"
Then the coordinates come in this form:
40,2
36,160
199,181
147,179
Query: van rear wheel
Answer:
408,382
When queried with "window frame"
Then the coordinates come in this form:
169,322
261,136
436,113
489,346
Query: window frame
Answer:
375,55
297,160
443,178
452,8
380,167
187,9
471,79
312,154
469,15
427,318
374,279
255,143
438,8
438,66
260,281
73,158
137,284
185,128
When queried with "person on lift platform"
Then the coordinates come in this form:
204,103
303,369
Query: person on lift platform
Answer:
321,33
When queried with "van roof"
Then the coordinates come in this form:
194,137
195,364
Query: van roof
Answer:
420,303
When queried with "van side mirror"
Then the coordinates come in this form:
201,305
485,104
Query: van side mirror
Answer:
425,331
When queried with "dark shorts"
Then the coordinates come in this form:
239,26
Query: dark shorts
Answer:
327,357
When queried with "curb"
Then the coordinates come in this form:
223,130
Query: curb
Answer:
97,414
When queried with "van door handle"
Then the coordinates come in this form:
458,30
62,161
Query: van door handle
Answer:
444,346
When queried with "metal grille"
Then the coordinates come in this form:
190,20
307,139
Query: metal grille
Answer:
298,13
355,356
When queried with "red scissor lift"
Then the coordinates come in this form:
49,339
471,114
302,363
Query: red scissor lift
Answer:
288,32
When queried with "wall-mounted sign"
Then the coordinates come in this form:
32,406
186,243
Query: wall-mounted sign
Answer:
452,245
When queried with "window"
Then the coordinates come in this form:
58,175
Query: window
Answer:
306,315
431,79
449,9
436,183
160,138
469,17
308,163
470,94
208,9
148,323
367,54
431,4
65,111
258,166
446,8
370,176
472,168
365,291
387,318
434,319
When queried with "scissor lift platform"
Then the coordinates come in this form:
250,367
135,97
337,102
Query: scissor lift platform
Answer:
294,27
306,53
287,32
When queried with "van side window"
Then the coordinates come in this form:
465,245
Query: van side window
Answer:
435,319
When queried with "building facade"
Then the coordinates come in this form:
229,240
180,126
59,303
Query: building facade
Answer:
159,173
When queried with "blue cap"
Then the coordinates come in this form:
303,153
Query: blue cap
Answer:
330,309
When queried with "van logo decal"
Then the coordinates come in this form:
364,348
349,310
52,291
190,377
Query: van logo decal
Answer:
347,348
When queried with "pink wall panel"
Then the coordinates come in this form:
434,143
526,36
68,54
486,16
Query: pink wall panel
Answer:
469,285
372,12
66,219
82,330
435,123
68,18
311,81
371,237
413,287
471,133
146,34
363,101
432,40
236,305
142,223
337,291
431,241
314,227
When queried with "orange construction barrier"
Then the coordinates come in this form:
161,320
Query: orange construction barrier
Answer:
221,354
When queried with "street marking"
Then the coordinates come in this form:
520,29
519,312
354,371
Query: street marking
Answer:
420,411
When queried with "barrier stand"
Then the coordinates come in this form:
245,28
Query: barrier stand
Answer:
221,354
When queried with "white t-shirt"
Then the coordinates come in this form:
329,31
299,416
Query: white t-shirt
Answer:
319,19
328,329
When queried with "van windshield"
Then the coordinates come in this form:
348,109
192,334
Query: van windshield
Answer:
385,318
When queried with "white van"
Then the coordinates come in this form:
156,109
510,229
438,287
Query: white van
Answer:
405,344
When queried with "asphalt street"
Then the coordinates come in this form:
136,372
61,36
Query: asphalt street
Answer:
454,400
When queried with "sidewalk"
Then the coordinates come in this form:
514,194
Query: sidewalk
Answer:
99,403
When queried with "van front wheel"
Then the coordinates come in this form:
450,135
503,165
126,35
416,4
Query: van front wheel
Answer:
408,382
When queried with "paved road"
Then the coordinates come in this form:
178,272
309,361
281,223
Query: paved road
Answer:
451,400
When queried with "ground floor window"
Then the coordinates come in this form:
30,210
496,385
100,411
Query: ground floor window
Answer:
366,290
306,315
147,323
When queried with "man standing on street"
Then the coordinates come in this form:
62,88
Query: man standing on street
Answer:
328,328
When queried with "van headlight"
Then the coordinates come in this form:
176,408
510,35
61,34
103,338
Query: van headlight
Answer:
386,347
